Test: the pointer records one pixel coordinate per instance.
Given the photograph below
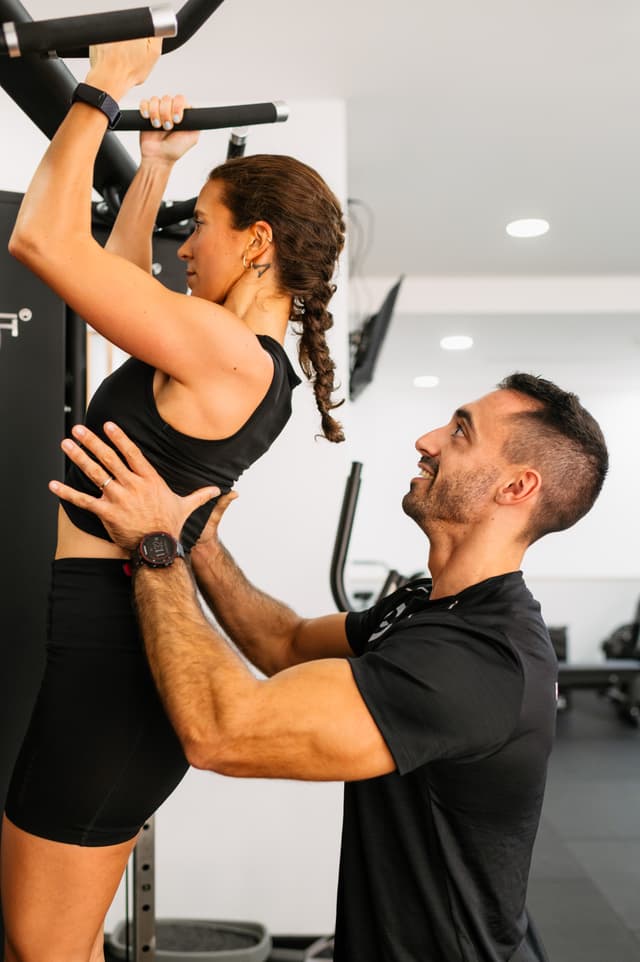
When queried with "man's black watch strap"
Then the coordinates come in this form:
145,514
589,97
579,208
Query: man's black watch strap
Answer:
100,99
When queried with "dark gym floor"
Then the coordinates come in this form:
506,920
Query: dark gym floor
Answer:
584,892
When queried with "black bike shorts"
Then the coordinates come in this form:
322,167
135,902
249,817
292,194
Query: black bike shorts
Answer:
100,755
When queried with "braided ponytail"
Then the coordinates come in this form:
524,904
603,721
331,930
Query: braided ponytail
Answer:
315,360
308,234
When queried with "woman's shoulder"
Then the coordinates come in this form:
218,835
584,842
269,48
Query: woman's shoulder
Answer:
281,358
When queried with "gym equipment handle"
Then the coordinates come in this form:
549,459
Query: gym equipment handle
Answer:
45,36
214,118
343,536
189,19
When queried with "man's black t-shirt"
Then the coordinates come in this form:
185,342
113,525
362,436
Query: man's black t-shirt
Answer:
435,856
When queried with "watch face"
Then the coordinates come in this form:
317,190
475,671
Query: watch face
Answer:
158,549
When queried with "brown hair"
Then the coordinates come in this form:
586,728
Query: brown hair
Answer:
308,232
565,442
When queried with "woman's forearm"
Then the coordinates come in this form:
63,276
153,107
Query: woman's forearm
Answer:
57,204
131,236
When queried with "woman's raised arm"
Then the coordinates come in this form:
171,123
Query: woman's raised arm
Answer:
131,236
188,338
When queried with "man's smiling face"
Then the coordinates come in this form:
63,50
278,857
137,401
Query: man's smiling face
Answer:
462,461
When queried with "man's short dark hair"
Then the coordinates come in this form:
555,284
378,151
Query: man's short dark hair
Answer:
564,442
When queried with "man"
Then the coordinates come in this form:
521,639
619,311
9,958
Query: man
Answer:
436,706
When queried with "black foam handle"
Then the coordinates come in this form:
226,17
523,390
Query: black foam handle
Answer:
72,36
213,118
190,18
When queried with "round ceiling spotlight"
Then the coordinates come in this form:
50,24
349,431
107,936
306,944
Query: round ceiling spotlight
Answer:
529,227
456,342
426,380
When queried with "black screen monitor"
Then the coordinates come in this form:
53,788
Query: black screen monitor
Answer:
367,343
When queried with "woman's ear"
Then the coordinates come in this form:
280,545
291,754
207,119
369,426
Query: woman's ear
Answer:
262,237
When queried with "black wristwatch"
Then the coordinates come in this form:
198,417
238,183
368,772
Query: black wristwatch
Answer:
157,550
100,99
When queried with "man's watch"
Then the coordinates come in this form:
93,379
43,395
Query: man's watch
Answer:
100,99
157,550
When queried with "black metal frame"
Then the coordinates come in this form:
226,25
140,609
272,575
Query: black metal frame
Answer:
393,580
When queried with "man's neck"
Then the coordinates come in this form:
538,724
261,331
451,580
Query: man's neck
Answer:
458,564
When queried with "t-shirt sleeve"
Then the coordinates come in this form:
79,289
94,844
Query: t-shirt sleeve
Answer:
440,692
359,625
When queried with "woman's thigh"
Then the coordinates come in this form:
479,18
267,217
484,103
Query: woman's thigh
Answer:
100,755
55,896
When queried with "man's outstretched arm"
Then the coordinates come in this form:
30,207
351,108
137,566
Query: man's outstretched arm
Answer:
138,501
307,722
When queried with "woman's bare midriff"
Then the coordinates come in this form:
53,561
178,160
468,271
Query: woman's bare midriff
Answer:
74,543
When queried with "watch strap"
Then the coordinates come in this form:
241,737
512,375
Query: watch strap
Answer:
100,99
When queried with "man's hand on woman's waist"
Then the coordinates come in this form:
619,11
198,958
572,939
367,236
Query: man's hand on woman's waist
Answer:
134,499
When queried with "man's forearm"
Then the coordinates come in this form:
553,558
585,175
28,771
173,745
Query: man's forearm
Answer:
201,681
263,628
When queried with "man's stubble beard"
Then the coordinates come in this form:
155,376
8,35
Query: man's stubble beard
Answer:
454,500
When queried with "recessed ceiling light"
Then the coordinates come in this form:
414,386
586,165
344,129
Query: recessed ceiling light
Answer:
426,380
529,227
456,342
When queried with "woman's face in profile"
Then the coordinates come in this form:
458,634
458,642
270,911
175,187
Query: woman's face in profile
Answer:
213,252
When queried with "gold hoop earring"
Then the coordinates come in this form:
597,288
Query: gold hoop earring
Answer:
246,264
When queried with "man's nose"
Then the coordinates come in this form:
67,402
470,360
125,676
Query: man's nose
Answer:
430,442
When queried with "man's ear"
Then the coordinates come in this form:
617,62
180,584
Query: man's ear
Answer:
520,487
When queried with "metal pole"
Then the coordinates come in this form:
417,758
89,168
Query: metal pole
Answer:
144,895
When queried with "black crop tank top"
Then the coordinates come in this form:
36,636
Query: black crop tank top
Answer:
185,463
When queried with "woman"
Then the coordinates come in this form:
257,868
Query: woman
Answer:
205,393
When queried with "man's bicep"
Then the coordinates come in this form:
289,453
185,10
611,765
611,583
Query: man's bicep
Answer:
324,637
307,722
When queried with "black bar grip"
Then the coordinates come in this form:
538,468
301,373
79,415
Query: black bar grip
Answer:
71,36
214,118
189,20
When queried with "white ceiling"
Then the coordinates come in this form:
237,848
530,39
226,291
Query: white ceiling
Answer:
462,115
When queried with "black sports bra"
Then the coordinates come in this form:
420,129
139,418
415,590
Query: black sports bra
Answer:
185,463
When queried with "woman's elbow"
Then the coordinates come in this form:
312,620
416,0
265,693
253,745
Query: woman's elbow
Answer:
24,246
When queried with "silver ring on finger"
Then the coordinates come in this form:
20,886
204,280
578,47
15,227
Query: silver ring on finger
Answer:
106,481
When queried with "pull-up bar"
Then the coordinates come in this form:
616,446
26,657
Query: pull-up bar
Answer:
214,118
69,37
189,19
48,36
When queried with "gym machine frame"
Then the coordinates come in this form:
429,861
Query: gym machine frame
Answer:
31,56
